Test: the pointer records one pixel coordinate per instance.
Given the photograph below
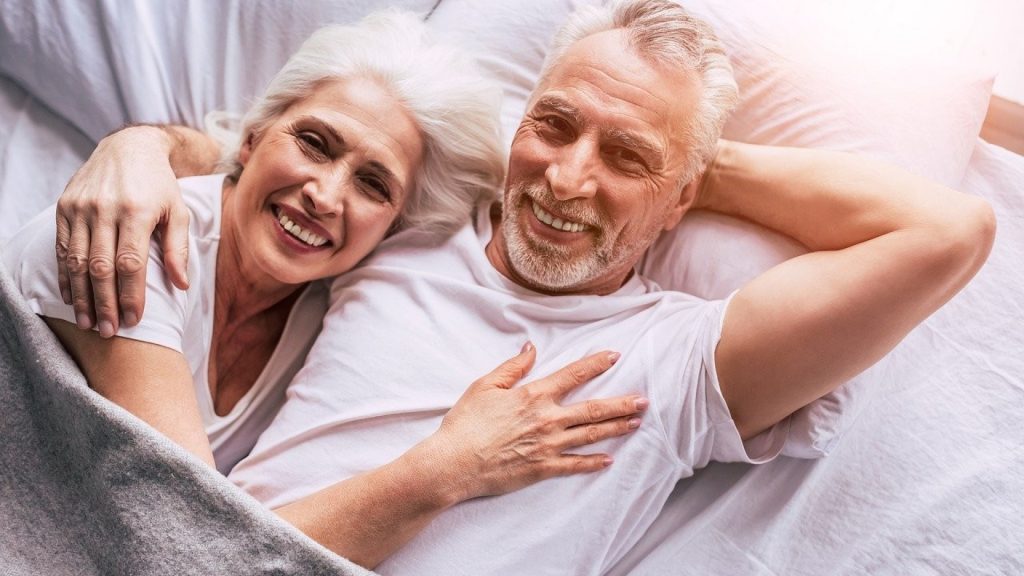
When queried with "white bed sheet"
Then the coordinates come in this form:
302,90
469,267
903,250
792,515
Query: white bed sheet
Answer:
929,480
39,151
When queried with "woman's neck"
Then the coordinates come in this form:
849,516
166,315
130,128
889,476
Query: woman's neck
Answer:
243,292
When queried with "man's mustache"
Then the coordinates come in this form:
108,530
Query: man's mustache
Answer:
574,210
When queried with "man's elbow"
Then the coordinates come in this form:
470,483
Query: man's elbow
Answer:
978,233
967,239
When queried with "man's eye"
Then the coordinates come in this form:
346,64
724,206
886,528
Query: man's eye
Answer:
555,123
376,188
627,157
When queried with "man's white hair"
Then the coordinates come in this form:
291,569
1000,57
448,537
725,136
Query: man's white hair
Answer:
663,32
455,109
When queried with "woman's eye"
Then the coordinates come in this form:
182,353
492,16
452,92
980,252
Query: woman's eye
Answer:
376,188
312,140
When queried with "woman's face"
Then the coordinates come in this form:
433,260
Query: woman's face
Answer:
323,184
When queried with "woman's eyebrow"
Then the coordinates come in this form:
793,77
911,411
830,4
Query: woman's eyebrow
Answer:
325,126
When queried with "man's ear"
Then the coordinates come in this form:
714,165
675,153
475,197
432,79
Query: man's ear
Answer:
246,150
686,197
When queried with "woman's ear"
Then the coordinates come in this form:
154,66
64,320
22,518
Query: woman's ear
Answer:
246,150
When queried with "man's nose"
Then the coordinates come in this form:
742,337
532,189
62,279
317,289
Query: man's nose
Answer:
573,173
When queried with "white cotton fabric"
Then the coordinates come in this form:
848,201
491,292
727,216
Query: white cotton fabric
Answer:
411,329
103,64
928,478
182,320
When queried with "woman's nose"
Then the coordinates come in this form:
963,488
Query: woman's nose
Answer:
324,194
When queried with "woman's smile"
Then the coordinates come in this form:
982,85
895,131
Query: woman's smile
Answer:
299,232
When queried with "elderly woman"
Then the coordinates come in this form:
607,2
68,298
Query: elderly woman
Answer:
366,131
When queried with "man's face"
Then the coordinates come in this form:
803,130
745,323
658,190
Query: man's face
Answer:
597,167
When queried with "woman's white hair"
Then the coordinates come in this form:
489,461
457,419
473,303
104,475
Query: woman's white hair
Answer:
663,32
456,111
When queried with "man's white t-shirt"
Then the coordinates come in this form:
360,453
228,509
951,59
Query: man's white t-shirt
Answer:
183,320
407,333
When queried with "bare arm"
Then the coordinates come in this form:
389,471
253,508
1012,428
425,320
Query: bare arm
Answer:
109,211
495,440
150,381
887,249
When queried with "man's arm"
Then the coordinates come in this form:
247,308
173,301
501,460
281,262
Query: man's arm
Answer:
111,208
887,250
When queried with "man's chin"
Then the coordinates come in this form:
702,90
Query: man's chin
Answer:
547,275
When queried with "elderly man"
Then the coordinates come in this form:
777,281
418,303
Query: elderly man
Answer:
619,140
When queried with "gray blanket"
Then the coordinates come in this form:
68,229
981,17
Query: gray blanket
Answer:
86,488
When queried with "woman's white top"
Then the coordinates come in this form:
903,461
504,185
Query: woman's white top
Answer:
183,320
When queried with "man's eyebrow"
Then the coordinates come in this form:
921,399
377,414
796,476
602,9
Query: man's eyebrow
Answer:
556,104
650,150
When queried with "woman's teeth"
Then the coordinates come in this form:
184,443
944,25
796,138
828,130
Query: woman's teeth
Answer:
556,223
306,236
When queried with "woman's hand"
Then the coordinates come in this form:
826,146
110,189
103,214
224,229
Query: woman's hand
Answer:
497,439
110,209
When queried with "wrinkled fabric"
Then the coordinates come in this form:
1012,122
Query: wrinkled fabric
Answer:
86,488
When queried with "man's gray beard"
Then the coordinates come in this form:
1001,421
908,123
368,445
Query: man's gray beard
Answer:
550,266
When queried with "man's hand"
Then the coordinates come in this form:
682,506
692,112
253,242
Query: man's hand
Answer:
110,209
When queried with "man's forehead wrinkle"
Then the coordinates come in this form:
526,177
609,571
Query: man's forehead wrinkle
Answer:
628,85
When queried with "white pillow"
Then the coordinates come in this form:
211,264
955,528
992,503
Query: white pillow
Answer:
104,64
509,39
807,78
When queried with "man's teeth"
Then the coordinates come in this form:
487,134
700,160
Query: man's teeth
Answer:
306,236
556,223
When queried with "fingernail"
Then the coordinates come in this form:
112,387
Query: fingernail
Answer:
633,423
130,318
526,347
607,461
642,403
613,357
106,329
83,321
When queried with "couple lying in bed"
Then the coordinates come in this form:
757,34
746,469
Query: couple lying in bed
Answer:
375,443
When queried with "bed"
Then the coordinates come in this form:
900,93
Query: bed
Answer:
914,467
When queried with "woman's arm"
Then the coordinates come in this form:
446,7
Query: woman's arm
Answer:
496,439
150,381
110,209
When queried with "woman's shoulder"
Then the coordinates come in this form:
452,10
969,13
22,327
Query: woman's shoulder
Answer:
202,196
